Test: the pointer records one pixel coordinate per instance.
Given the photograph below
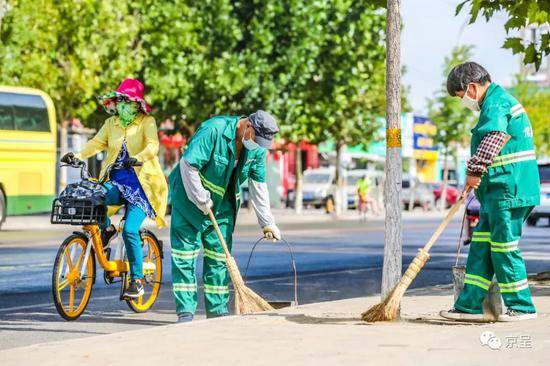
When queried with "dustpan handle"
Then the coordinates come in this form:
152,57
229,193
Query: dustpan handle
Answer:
293,262
459,244
219,233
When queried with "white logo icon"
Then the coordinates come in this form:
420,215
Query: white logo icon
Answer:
490,340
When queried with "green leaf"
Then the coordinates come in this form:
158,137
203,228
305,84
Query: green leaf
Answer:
460,6
515,44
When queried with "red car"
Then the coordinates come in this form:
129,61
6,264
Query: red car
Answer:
452,194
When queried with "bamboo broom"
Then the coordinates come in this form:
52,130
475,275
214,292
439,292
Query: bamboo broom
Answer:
246,300
387,310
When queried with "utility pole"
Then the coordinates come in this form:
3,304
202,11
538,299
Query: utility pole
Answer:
391,272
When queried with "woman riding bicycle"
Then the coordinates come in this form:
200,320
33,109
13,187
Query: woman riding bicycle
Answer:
136,179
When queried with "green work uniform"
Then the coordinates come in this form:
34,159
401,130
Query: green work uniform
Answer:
212,151
507,193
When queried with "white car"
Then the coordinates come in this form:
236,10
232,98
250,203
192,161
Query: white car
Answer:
317,187
542,210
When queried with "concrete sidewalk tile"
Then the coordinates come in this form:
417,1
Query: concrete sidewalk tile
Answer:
329,333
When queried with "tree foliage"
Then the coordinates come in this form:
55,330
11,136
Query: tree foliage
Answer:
453,121
521,13
74,50
317,65
536,101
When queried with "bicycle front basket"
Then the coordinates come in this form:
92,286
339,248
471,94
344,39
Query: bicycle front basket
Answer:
71,211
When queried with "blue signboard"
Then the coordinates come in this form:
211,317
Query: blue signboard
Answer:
424,131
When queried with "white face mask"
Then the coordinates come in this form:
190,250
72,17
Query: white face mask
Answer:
249,144
470,103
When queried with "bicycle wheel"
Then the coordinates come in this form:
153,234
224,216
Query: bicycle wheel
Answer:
152,275
71,281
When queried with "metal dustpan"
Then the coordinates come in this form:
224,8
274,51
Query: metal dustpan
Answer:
278,303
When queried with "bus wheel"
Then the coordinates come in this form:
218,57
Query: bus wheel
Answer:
2,208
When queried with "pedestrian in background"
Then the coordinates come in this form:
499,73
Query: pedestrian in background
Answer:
364,200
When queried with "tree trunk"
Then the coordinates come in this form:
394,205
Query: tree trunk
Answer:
443,198
340,200
391,272
298,196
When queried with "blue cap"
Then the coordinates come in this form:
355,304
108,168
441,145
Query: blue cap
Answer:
265,128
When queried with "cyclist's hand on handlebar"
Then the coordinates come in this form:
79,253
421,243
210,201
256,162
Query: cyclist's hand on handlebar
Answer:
130,162
68,158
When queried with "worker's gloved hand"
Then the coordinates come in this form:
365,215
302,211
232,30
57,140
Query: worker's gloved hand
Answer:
68,158
272,232
206,206
130,162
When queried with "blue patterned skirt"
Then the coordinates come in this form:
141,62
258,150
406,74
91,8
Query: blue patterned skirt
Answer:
127,182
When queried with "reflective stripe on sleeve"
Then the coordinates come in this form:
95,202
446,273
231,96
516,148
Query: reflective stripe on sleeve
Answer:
220,191
514,158
516,110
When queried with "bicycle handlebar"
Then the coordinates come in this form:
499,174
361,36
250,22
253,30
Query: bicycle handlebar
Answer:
85,174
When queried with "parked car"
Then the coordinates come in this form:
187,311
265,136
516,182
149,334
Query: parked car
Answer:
472,216
376,177
452,193
422,194
317,188
542,210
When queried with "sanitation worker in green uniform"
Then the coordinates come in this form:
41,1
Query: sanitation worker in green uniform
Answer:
503,170
224,152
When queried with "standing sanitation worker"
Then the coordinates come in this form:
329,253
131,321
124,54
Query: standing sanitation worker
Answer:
503,170
224,152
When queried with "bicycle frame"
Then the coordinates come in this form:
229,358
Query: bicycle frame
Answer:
118,265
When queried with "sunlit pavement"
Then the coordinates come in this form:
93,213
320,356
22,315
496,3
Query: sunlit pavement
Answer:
335,260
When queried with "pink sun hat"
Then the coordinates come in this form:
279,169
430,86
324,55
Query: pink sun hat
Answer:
130,90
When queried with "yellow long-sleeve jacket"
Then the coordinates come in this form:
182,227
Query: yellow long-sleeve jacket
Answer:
143,144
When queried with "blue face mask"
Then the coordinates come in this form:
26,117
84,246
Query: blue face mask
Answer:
249,144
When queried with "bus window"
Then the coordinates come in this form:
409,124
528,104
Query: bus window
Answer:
6,117
30,113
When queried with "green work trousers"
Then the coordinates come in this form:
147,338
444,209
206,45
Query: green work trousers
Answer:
494,250
186,243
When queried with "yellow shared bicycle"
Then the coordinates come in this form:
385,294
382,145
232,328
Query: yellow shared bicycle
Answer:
74,271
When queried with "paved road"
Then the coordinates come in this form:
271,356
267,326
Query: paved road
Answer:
335,260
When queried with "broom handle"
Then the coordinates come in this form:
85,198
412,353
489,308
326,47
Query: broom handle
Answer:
219,233
448,218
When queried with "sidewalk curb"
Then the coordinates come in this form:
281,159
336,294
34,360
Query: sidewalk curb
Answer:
325,333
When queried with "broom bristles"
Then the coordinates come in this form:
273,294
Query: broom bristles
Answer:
246,300
387,310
